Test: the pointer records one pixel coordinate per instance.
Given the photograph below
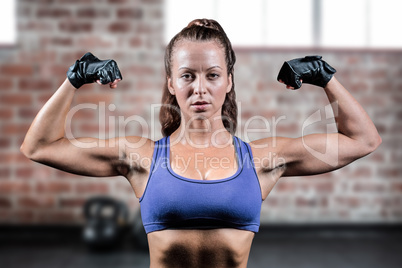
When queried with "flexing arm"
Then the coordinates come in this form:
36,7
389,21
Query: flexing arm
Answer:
45,141
319,153
356,137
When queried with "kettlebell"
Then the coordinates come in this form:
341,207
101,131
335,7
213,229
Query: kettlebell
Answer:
105,222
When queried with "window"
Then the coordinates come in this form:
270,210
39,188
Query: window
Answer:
7,22
295,23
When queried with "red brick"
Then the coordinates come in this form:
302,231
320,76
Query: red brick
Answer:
25,172
27,113
151,1
56,217
377,157
378,74
18,216
135,42
94,98
65,175
16,70
52,70
85,114
284,186
129,13
119,27
324,187
38,201
123,187
93,13
76,27
56,13
37,56
57,41
145,29
5,203
351,202
6,84
15,99
141,70
71,202
397,187
83,2
369,187
6,113
117,1
309,202
390,172
35,26
373,101
5,173
4,143
43,98
13,129
24,11
94,42
92,128
362,172
36,84
14,187
358,87
99,188
53,187
10,158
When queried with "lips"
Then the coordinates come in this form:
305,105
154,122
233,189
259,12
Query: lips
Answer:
200,103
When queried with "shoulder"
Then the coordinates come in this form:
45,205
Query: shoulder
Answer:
267,152
137,151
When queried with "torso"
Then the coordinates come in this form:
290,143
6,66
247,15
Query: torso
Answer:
204,248
220,248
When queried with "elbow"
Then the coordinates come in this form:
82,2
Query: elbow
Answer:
373,144
28,151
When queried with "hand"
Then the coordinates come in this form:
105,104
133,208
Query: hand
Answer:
89,69
287,86
310,69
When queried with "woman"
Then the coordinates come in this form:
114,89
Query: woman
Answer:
201,196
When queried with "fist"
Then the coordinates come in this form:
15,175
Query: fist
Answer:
89,69
310,70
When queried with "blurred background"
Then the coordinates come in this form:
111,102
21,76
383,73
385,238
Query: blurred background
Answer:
42,38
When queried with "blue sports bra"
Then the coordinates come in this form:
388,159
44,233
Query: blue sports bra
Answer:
171,201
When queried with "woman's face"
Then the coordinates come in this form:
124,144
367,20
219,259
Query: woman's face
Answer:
199,79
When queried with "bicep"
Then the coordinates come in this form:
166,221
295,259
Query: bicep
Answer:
318,153
86,156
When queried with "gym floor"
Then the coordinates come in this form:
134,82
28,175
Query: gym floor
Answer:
272,247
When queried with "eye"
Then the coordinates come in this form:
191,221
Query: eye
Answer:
187,76
213,75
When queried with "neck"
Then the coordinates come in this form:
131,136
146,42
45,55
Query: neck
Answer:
202,133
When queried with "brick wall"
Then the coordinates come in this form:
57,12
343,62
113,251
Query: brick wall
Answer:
52,34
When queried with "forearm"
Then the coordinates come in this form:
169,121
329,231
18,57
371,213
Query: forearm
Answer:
48,125
352,120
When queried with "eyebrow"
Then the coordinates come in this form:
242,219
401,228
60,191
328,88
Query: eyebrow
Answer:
187,68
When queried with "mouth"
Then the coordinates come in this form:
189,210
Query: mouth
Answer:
200,105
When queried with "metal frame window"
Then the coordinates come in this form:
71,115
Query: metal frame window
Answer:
8,33
295,23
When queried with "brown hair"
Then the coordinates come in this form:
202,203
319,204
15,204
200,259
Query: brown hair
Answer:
199,30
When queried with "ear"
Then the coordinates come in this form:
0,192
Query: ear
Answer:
169,85
230,83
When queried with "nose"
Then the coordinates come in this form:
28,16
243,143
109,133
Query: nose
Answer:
199,87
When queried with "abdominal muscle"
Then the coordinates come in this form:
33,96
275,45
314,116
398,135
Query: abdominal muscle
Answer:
220,248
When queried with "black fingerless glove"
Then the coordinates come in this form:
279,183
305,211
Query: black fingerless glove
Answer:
310,69
89,68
